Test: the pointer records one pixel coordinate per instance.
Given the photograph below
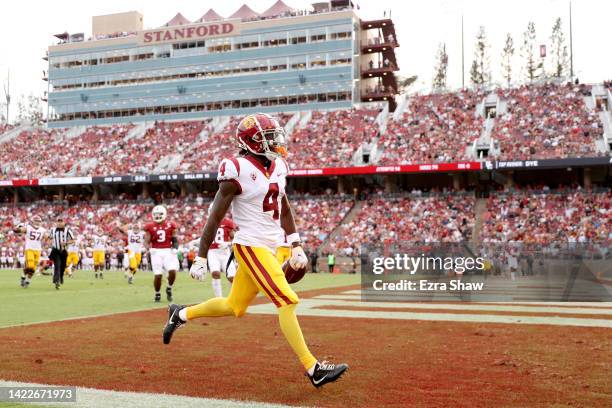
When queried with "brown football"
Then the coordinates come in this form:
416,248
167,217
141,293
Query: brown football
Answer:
293,275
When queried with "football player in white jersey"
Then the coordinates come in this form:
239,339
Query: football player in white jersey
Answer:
99,251
135,245
34,234
72,260
254,185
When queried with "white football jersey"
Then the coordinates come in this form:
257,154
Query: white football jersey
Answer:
256,207
74,247
99,243
33,238
135,241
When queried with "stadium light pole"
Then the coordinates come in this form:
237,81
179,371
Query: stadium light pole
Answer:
7,93
571,43
462,57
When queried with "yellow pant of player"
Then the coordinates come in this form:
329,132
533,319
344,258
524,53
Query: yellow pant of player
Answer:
73,259
135,258
98,258
32,258
258,271
283,254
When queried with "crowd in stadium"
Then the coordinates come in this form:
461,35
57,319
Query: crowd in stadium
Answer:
541,121
535,217
546,121
330,139
384,219
434,128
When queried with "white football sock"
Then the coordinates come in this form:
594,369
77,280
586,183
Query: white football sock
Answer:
216,285
183,314
311,369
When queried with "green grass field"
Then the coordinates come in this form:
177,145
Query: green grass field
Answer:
82,295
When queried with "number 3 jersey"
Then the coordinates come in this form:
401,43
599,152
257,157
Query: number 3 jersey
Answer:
161,233
256,206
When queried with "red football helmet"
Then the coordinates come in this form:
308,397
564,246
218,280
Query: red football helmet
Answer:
261,134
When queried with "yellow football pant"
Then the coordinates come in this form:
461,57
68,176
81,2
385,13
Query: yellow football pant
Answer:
32,258
283,254
135,258
259,271
98,258
73,259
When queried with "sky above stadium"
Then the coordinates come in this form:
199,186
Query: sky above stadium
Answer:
26,29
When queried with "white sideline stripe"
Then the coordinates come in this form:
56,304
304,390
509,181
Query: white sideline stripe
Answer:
83,317
94,398
356,294
340,301
308,307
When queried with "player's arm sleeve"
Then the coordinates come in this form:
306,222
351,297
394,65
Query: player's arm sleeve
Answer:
229,170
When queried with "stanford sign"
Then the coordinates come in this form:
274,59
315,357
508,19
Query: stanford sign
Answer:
190,32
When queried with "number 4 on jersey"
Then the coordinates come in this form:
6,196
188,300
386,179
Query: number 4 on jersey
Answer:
270,202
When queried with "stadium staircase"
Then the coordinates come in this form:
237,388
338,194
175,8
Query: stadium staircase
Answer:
604,145
219,123
402,104
85,166
338,230
305,119
292,122
138,130
13,133
480,208
74,132
168,163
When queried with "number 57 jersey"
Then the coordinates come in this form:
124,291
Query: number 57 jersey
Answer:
256,206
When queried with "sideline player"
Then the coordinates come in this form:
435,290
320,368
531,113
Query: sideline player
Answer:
160,236
99,249
73,256
135,241
254,184
34,234
219,253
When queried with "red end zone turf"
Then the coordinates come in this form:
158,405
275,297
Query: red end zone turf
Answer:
393,362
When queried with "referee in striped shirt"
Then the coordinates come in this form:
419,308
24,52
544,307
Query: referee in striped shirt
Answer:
61,236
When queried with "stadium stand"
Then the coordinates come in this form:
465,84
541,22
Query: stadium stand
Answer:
331,138
434,128
546,121
542,217
387,219
143,155
541,122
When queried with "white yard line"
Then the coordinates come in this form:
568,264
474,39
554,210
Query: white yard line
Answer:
343,301
311,307
94,398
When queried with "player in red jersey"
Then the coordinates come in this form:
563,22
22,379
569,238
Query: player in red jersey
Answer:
160,237
219,252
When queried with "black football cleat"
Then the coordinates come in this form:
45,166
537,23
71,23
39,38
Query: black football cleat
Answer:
326,372
157,297
173,323
169,294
